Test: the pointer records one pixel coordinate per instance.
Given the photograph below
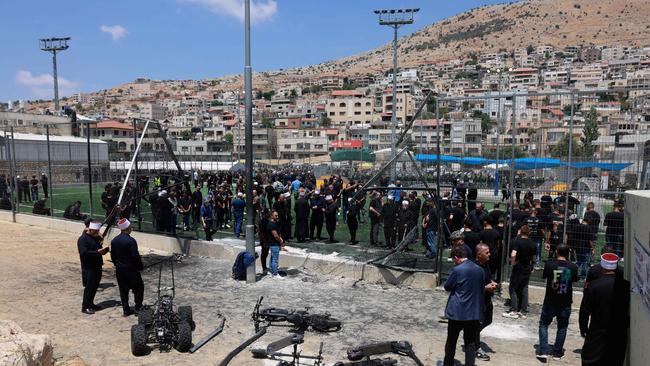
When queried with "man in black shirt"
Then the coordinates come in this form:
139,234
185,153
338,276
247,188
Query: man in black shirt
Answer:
389,213
302,218
317,205
560,275
614,232
197,201
491,237
593,216
90,250
276,243
331,212
353,223
536,234
471,238
580,240
483,254
128,264
374,211
73,212
605,316
523,258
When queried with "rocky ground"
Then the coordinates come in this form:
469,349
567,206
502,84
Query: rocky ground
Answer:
41,291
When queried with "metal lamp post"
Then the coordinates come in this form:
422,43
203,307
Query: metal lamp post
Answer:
248,98
496,174
53,45
395,18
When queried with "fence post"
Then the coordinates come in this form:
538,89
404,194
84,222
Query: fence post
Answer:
90,172
12,173
135,178
568,169
441,221
50,185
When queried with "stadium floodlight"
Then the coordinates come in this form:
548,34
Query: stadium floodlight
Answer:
395,18
53,45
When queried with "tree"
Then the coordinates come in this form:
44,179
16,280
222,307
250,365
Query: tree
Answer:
325,121
228,138
561,150
530,49
589,133
186,135
267,122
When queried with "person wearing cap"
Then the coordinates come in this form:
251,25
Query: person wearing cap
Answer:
317,207
238,206
353,223
301,209
406,223
90,250
605,316
128,264
560,274
331,213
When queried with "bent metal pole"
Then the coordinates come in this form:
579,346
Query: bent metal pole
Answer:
135,155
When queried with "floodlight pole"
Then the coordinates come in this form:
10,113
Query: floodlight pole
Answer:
53,45
395,18
248,97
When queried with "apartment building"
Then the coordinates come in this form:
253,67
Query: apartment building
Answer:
404,106
347,108
525,77
35,123
330,82
152,111
301,144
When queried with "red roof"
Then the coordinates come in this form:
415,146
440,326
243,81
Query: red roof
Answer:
346,93
114,125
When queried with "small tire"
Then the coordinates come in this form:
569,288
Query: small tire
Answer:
185,315
325,324
145,317
184,341
139,340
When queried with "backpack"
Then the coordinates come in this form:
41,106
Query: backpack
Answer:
243,260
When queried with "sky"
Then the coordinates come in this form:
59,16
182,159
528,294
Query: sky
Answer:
116,41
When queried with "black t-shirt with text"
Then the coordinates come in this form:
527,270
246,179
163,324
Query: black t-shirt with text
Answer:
560,276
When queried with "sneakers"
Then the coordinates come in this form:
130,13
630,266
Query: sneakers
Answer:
511,315
543,356
277,277
557,356
482,356
523,315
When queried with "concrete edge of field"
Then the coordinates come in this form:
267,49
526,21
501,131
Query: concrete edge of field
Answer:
218,249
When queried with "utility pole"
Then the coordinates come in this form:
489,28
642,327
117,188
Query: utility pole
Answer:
53,45
248,98
395,18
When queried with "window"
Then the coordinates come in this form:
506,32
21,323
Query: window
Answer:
332,113
332,104
199,149
341,113
287,147
357,104
342,105
368,113
368,104
357,113
123,133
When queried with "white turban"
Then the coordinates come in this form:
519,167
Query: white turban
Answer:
95,225
123,224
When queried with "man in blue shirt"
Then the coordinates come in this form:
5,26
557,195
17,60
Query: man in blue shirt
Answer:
238,205
295,185
466,287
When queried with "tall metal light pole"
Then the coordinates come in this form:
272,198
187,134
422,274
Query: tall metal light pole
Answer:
248,98
53,45
496,174
395,18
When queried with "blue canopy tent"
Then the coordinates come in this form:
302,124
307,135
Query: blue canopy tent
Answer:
522,163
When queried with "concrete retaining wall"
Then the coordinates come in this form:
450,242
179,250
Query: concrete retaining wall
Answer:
219,249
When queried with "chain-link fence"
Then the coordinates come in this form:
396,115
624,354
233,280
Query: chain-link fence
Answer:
557,162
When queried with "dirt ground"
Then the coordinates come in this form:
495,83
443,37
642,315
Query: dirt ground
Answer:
41,291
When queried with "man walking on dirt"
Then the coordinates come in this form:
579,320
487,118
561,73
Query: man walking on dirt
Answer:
90,250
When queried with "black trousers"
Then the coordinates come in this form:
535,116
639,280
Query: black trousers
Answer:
470,330
90,279
488,311
389,235
316,226
130,281
302,228
45,190
331,228
264,257
353,226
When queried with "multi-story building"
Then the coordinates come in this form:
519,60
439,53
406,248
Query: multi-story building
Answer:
35,123
524,77
330,82
613,53
347,108
404,106
153,111
264,142
301,144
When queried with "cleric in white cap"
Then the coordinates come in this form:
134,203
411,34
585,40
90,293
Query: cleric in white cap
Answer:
90,250
605,315
128,264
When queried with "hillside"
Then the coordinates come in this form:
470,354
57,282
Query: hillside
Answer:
492,28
